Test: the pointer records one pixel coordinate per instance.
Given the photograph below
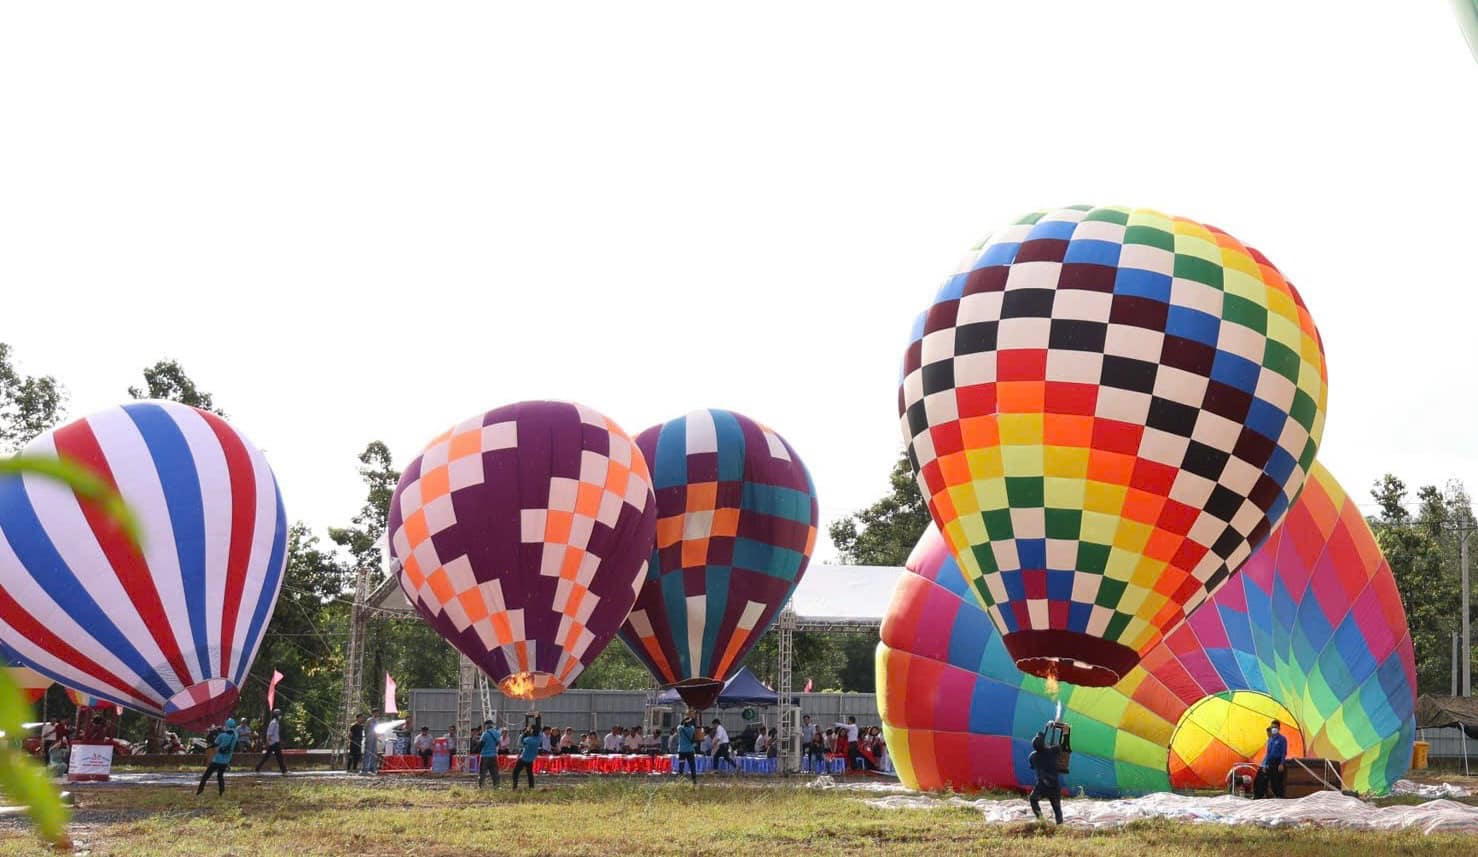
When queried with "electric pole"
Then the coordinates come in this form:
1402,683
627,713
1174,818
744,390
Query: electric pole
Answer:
1464,534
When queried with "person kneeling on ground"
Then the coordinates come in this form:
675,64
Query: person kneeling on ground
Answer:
225,745
487,762
1043,760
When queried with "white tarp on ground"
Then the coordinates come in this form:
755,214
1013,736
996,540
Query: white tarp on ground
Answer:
1324,809
1407,787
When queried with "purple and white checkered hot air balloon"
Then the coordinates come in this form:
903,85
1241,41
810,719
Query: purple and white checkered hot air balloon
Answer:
170,626
522,535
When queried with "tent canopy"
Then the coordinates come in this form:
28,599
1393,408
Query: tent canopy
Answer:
1437,712
743,689
842,594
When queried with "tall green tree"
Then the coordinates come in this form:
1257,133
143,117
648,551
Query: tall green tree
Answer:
885,532
166,379
366,534
411,651
615,668
817,657
305,642
1421,551
29,404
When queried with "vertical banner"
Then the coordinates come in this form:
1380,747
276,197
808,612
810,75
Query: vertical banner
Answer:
390,695
272,690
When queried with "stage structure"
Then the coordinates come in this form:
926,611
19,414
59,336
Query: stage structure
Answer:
831,599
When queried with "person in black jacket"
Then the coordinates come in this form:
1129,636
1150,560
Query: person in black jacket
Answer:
356,742
1044,762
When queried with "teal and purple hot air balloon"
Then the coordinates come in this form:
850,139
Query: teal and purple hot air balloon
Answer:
736,523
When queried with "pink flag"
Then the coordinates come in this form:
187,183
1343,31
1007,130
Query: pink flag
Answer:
808,686
272,690
390,695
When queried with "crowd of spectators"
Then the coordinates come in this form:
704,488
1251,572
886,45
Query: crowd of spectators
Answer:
863,747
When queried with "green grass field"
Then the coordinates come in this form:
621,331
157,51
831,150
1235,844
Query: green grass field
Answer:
442,818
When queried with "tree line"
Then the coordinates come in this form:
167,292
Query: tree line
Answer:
306,638
309,630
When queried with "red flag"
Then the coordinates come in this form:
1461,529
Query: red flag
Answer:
390,695
808,686
272,690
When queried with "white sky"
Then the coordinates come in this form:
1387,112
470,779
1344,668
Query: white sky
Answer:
357,221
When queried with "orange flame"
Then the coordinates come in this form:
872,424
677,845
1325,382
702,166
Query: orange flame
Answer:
531,685
1052,679
518,686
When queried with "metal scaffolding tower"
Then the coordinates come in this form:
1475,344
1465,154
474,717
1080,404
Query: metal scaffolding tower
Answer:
786,730
485,691
467,673
353,696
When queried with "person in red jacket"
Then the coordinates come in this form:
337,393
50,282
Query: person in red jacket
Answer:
95,732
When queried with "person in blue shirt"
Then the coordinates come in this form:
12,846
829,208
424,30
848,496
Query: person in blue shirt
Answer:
531,742
488,753
1274,760
1043,760
686,747
225,744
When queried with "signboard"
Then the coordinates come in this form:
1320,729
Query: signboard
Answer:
90,762
749,714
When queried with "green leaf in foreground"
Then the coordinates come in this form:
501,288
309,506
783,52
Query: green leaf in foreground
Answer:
81,479
21,778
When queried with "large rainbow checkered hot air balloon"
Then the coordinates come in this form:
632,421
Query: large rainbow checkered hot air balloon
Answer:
522,536
736,523
1311,631
1108,410
168,627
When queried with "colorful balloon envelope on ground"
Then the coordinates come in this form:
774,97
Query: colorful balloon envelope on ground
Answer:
169,626
31,684
1311,632
1108,409
522,535
736,523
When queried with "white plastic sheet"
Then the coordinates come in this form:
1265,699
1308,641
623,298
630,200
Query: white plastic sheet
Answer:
1407,787
1324,809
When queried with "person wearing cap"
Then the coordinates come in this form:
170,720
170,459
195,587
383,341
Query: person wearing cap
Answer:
1275,758
225,746
686,745
273,739
246,736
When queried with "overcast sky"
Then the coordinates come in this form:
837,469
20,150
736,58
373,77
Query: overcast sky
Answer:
358,221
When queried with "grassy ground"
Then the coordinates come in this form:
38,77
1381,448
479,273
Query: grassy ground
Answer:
439,818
